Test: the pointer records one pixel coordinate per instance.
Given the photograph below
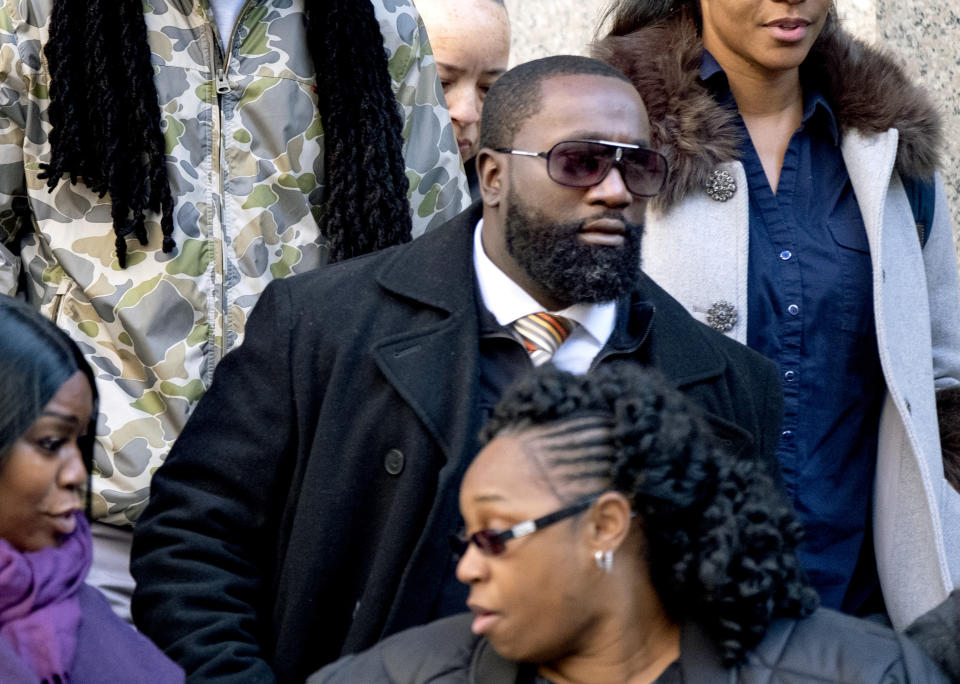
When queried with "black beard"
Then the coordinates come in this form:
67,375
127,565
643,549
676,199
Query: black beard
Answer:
570,271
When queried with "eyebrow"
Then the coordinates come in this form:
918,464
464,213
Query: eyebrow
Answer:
485,498
461,70
451,67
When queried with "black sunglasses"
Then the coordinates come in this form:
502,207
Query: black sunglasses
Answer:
493,543
585,163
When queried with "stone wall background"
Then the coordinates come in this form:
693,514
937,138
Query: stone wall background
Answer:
923,35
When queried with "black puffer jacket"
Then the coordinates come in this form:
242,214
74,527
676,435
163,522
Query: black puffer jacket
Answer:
826,648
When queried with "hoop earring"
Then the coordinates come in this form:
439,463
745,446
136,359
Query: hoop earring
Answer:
604,560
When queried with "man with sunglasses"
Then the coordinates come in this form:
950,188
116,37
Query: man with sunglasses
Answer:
308,515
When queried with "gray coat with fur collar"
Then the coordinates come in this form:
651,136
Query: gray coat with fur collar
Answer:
696,248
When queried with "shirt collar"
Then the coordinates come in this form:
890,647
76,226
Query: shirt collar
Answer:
507,301
816,110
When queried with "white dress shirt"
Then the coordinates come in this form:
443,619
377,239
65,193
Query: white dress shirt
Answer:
507,301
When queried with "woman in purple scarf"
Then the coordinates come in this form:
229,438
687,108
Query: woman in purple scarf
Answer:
53,627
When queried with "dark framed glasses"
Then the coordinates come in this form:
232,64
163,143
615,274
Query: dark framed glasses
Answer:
493,543
585,163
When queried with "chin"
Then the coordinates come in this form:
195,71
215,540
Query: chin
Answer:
526,650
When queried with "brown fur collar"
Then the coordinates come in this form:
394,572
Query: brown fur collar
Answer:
866,89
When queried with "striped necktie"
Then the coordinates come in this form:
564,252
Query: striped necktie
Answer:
542,334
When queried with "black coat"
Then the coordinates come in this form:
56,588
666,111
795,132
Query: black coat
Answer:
286,526
825,648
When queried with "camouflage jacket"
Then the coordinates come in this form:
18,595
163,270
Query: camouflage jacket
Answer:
241,167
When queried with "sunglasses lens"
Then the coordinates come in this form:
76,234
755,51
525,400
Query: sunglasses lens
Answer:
579,164
488,542
582,164
645,172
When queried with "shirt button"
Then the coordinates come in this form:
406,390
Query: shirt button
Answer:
786,254
793,309
790,376
786,435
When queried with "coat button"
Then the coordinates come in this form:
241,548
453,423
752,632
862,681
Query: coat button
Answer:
722,316
720,186
393,462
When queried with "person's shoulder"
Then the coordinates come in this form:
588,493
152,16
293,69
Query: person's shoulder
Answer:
832,647
108,647
440,651
443,252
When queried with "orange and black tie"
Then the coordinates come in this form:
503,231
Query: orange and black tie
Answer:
542,334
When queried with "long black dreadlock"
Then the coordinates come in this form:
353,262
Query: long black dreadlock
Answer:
105,119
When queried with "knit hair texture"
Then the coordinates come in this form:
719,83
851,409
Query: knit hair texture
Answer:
105,122
720,538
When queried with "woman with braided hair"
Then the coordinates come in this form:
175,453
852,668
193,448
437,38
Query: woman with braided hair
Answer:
609,540
163,161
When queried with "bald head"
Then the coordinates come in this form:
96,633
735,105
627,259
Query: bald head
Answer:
471,44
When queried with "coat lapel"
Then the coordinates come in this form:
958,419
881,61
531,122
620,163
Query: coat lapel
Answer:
432,362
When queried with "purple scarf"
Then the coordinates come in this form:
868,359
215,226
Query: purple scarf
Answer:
39,604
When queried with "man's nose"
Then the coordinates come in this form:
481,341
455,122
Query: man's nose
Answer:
611,191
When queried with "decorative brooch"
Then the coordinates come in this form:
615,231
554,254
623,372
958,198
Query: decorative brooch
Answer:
720,186
722,316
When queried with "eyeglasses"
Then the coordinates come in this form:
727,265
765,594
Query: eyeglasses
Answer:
585,163
493,543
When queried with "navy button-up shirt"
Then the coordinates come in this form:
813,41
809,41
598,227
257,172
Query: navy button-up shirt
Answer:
810,310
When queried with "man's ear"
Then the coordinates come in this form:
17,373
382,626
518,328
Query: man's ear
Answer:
490,176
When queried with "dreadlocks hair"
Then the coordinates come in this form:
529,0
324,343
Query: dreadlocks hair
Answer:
720,541
105,119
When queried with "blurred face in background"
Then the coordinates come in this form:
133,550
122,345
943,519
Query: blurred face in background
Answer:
43,475
471,44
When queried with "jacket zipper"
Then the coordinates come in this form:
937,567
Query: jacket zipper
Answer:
221,62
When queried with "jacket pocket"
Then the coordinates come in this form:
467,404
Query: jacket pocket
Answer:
856,297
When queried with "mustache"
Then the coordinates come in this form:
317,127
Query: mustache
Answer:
613,214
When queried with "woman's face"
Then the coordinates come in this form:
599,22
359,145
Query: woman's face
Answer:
764,37
42,477
471,43
533,602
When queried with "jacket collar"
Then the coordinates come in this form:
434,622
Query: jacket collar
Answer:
677,346
431,271
699,662
867,91
438,344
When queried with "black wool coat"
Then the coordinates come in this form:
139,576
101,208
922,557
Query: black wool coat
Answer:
825,648
286,527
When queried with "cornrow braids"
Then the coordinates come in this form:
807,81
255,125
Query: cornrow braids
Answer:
105,121
720,540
